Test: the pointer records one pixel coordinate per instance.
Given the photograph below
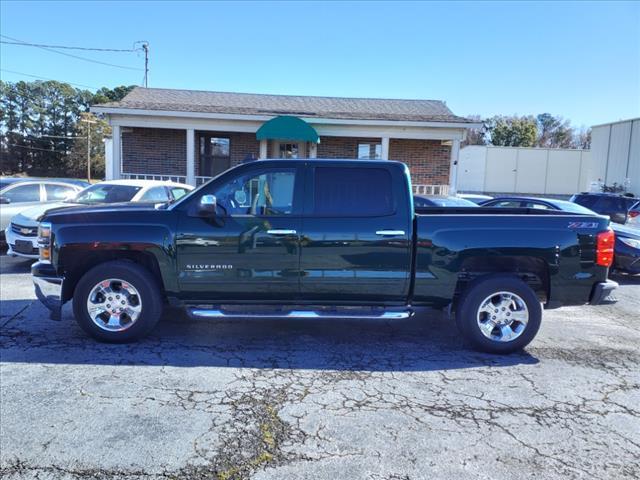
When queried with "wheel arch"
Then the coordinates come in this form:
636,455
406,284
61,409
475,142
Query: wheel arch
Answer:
534,271
82,263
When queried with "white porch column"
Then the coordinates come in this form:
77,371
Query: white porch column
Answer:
116,154
385,148
453,168
191,154
108,158
263,149
313,150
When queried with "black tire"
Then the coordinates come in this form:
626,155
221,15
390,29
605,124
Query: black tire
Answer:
471,301
141,279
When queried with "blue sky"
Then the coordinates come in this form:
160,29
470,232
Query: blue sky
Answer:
578,60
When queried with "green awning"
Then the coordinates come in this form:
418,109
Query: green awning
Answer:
286,127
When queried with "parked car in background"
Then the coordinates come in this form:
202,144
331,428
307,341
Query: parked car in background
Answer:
474,197
626,255
617,206
536,203
18,194
22,233
423,201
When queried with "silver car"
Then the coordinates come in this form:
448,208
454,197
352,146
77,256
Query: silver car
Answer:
19,194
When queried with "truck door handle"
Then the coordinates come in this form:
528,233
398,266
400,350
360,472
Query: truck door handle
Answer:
281,232
390,233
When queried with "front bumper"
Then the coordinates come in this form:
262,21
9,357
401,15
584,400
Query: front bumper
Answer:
48,288
601,291
11,238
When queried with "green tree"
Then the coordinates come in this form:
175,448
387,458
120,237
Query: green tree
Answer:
554,132
105,94
512,131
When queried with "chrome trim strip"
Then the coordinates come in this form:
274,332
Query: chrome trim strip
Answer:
390,232
219,313
281,232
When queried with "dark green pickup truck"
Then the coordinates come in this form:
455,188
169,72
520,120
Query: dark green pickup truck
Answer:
320,239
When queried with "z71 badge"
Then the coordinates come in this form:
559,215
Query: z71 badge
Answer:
583,224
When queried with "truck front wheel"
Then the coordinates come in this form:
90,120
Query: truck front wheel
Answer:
117,302
499,314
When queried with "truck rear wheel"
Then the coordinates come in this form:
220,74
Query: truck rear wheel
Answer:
499,314
117,302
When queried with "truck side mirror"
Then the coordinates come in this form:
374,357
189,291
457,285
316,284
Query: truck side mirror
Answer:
207,206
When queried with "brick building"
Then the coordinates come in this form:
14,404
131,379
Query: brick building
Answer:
190,136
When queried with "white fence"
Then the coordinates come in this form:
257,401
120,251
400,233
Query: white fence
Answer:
523,170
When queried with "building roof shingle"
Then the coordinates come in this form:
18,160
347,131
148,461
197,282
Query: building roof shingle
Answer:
303,106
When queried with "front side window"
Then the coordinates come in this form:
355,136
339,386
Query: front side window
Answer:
370,151
23,193
344,192
58,192
106,193
265,194
155,195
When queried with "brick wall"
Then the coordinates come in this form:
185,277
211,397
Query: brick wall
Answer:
163,151
154,150
341,147
428,160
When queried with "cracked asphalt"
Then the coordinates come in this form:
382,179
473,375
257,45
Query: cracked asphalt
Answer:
317,399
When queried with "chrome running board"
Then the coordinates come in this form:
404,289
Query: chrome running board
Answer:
378,314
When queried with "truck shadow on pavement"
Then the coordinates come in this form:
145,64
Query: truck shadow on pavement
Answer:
427,342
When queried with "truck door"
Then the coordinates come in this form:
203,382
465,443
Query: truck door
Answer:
250,249
356,229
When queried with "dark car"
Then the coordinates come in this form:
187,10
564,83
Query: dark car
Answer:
615,205
537,203
626,256
424,201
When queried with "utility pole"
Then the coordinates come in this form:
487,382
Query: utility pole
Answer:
88,122
145,47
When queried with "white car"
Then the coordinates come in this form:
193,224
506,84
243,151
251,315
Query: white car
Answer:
22,233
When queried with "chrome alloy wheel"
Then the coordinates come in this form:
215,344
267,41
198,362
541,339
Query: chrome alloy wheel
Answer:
503,316
114,305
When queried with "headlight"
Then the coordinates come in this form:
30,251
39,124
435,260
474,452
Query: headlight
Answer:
44,241
631,242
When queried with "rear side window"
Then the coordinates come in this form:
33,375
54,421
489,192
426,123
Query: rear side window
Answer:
588,201
343,192
612,204
24,193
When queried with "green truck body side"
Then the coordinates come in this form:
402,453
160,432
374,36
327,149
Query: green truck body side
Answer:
329,260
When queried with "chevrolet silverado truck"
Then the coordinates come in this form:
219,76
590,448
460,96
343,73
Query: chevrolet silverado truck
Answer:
319,239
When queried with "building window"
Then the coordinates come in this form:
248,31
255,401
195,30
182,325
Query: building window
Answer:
288,150
215,155
370,151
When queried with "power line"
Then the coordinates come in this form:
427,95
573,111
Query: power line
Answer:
44,136
45,78
43,45
35,148
75,56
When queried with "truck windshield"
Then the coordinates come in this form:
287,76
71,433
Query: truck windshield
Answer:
106,193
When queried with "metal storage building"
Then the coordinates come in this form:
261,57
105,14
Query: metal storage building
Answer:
615,153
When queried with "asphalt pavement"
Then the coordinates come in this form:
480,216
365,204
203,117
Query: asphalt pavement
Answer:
343,399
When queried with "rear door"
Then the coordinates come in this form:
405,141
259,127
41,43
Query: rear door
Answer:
356,229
